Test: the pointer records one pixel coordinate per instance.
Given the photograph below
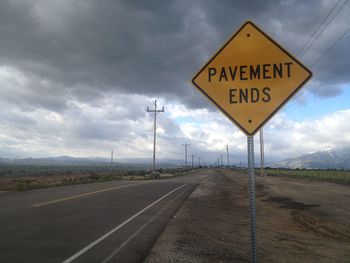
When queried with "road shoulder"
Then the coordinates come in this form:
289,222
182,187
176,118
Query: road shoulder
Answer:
297,221
201,230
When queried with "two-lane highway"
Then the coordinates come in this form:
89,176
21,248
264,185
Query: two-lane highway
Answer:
102,222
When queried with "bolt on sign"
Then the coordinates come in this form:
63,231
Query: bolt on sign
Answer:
250,78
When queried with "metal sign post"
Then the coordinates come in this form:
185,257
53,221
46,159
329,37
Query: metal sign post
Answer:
252,208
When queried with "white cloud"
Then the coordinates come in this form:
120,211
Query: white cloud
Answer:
285,138
119,121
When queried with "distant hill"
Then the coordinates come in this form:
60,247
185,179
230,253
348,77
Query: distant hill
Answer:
330,159
68,160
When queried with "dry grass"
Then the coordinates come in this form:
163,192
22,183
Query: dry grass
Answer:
36,182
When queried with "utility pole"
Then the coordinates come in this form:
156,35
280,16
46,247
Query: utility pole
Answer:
186,145
155,112
221,161
199,162
111,161
262,155
228,158
14,167
193,160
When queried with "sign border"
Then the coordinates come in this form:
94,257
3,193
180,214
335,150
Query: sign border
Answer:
279,107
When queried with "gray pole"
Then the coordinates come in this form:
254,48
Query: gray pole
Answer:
193,160
154,135
262,154
155,111
111,162
186,145
252,209
228,158
14,167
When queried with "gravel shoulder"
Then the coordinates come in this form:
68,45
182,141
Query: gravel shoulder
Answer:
297,221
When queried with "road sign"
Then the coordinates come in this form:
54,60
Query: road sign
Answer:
250,78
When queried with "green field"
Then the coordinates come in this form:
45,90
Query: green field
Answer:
336,176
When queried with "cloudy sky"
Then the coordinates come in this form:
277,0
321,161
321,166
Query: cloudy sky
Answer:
77,75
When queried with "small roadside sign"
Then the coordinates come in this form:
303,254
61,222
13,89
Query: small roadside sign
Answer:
250,78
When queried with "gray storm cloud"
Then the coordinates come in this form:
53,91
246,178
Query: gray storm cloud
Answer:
152,47
94,63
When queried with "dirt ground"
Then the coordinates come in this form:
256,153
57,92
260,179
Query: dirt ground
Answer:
297,221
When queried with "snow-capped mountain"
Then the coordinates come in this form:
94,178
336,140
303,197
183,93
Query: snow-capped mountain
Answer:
338,158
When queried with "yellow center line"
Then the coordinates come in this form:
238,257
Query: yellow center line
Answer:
82,195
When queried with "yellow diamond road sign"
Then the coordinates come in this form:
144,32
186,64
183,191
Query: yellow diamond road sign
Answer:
250,78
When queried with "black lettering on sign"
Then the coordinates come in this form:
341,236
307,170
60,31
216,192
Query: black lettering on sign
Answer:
266,69
255,73
232,96
251,72
254,95
243,95
266,92
277,69
242,70
288,64
223,74
233,74
211,72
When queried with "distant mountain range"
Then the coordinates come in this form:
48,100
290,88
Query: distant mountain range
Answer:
68,160
330,159
338,158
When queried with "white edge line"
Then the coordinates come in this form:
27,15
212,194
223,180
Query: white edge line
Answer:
94,243
115,252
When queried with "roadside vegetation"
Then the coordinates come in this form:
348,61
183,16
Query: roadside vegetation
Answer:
328,175
10,182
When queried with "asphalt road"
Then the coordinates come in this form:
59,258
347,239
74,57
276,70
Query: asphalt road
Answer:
102,222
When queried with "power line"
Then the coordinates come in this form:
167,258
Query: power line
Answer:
307,93
67,45
320,32
333,45
35,22
304,49
319,26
